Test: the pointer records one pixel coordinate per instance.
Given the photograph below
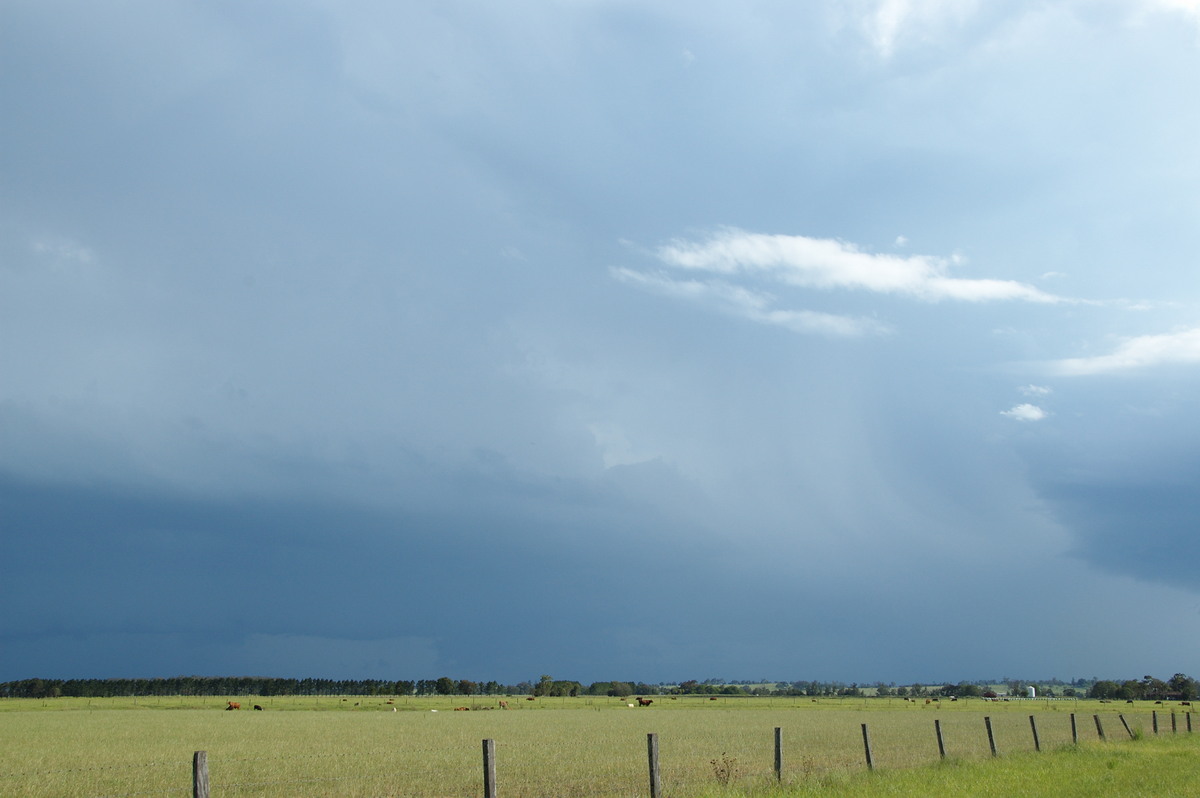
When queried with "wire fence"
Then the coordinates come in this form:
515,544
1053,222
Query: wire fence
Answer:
685,765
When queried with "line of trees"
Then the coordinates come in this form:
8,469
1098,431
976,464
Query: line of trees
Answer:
1179,687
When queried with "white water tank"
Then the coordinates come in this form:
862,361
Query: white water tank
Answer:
1032,692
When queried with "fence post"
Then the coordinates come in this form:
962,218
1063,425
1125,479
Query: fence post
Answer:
1074,731
987,721
937,727
1154,715
1174,729
652,753
489,769
1099,728
1126,725
867,748
778,753
1189,720
1037,745
200,774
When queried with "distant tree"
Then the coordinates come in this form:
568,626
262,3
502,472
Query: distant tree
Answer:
620,689
1104,689
1184,686
1154,689
544,686
445,686
467,687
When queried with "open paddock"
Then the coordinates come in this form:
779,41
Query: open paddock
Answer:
549,747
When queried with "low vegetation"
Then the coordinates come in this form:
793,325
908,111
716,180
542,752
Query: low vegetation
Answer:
561,746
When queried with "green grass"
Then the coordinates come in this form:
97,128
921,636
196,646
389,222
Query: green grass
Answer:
552,747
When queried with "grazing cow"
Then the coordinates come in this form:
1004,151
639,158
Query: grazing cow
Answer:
645,702
712,698
462,709
504,705
1185,703
256,706
530,698
233,705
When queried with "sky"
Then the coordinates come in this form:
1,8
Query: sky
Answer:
851,340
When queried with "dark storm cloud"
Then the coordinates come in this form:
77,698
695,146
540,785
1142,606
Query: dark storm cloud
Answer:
346,338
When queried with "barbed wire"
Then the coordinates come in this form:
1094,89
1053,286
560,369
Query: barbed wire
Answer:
126,766
164,791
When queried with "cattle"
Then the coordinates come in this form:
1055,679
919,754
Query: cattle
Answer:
530,698
645,702
259,708
712,698
504,705
1185,703
462,709
233,705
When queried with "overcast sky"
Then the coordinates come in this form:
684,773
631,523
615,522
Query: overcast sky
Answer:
850,340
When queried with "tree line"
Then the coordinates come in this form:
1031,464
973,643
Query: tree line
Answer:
1179,687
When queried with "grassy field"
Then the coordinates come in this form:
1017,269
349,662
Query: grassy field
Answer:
550,747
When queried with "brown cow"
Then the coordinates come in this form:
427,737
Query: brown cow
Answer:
256,706
233,705
462,709
504,705
645,702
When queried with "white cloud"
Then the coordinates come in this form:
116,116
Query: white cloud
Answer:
827,263
891,21
1140,352
1035,390
1025,412
1190,7
752,305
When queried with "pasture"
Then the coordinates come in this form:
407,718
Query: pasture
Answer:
359,746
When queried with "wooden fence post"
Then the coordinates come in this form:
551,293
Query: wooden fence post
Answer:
1189,721
1099,728
1037,745
1174,729
987,721
937,727
652,753
1126,725
1074,731
778,753
489,769
867,748
200,774
1154,715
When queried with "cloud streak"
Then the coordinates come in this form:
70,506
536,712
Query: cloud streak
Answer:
1140,352
751,305
831,264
